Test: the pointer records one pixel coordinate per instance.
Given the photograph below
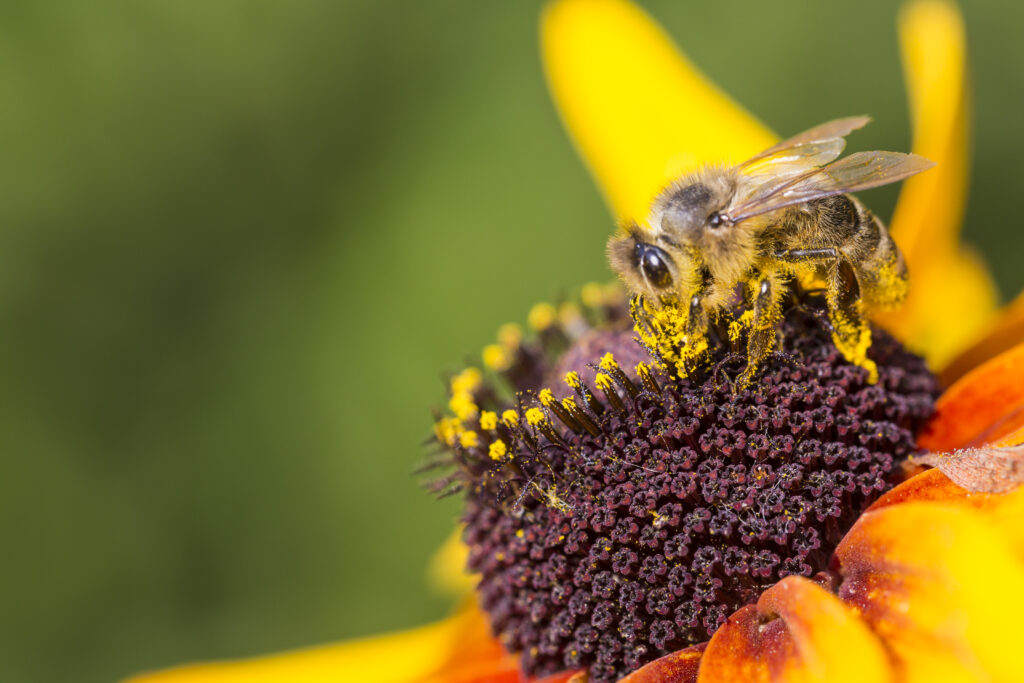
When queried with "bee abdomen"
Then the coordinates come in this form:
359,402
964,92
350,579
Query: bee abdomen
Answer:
882,272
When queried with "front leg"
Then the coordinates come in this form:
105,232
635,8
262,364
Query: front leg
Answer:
766,294
850,330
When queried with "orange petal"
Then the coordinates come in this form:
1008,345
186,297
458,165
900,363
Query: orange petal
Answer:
941,586
1004,511
639,112
952,296
814,638
459,648
985,405
930,485
678,667
1003,334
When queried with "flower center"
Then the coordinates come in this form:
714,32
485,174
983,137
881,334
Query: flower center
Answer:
626,515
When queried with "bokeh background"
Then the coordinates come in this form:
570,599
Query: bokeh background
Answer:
241,242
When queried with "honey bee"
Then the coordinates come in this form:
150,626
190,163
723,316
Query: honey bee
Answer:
781,217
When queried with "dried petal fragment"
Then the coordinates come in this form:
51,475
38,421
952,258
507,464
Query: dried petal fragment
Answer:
797,632
942,587
981,470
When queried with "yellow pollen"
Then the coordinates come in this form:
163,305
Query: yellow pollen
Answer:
546,398
535,416
642,367
541,317
573,379
496,357
446,430
592,294
510,335
497,450
519,533
467,381
510,418
569,403
468,439
604,382
463,406
488,420
569,314
608,362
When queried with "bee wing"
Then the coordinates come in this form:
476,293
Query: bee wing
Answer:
815,147
860,171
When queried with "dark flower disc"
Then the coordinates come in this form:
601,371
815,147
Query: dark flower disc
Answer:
626,514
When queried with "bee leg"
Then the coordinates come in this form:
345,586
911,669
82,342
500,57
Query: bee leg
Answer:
849,326
850,330
767,295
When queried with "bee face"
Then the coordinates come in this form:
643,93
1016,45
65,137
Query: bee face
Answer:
646,268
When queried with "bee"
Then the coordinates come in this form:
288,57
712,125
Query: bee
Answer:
753,230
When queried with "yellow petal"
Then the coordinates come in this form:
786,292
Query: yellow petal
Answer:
952,297
1003,333
448,566
815,637
459,642
942,586
639,112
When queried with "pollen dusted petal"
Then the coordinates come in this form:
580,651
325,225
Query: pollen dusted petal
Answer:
797,632
952,297
457,649
985,405
639,112
943,588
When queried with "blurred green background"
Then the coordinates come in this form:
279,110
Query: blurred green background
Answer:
242,240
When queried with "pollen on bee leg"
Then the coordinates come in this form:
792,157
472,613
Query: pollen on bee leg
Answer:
852,337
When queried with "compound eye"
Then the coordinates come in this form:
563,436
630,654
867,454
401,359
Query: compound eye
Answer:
717,220
654,264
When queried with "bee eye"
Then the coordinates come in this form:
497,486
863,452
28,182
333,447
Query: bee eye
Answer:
717,220
653,262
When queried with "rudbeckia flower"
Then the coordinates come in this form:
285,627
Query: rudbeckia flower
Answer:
626,525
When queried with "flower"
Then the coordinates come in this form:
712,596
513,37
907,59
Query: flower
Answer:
924,583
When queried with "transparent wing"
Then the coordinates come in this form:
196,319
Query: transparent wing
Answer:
860,171
815,147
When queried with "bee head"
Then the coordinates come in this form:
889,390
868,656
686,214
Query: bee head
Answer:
645,267
690,211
